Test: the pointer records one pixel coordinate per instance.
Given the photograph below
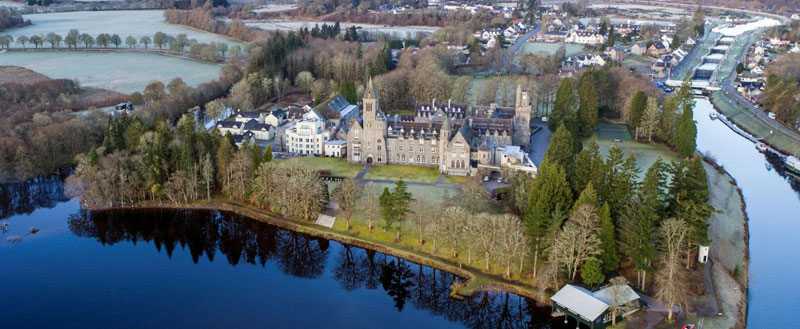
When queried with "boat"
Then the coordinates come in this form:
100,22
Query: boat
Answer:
713,115
792,164
761,147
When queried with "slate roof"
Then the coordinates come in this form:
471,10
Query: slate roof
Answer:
229,124
255,125
248,114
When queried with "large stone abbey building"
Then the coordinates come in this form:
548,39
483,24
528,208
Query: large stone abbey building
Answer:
442,135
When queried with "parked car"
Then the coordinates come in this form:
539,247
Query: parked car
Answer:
689,326
485,178
499,179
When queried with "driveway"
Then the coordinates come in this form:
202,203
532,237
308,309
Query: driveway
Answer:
539,141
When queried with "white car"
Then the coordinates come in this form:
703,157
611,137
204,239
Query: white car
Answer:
485,178
544,119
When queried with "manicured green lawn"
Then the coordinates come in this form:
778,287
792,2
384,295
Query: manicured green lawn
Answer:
645,154
406,173
337,166
455,179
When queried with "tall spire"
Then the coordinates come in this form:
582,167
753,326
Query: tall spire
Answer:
370,92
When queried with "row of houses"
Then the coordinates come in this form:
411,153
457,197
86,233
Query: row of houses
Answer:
510,33
297,129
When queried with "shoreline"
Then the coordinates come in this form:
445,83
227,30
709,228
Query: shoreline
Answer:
475,280
749,130
726,272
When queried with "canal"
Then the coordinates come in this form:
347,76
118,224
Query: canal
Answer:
773,208
210,269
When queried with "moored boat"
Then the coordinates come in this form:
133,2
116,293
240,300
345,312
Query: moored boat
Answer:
761,147
713,115
792,164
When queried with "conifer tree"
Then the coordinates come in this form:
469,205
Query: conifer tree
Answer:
563,112
587,111
608,235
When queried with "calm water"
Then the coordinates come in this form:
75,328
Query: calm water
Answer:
207,269
773,207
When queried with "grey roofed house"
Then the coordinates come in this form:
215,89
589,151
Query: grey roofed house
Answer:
580,301
255,125
229,124
248,114
295,113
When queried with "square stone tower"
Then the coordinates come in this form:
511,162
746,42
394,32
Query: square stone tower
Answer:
522,118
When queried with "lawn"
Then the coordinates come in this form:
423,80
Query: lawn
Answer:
337,166
551,48
645,154
407,173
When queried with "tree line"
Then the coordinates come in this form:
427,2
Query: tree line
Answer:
213,51
592,216
36,136
671,123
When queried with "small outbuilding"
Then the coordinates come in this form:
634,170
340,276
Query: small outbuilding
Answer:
592,309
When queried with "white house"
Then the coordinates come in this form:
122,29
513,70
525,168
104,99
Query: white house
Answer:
336,148
261,131
275,118
231,127
244,116
307,137
585,37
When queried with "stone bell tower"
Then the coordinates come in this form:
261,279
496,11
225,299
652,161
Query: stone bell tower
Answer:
522,118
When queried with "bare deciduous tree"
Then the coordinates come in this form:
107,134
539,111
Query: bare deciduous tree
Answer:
671,278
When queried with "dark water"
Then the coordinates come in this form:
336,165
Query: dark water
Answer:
207,269
773,207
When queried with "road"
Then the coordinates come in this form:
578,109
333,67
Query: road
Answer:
511,51
730,89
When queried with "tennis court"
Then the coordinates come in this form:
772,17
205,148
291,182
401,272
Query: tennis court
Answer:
612,131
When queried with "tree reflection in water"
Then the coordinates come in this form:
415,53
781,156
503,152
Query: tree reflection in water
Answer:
241,239
26,196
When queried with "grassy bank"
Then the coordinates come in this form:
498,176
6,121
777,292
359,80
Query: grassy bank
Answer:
407,248
753,125
729,251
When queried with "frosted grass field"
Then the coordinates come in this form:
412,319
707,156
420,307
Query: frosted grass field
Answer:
136,23
11,4
120,72
551,48
273,25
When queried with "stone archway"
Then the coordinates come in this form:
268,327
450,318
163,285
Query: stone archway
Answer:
369,159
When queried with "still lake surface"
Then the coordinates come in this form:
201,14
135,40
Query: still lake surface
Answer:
210,269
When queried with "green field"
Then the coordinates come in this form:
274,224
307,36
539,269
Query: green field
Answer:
337,166
406,173
551,48
645,154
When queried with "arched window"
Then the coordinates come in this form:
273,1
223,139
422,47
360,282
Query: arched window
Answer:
452,164
463,165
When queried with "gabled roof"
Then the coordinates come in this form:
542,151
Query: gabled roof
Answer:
625,295
580,301
229,124
248,114
255,125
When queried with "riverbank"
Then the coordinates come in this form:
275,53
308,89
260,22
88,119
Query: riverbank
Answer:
475,279
753,125
729,266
